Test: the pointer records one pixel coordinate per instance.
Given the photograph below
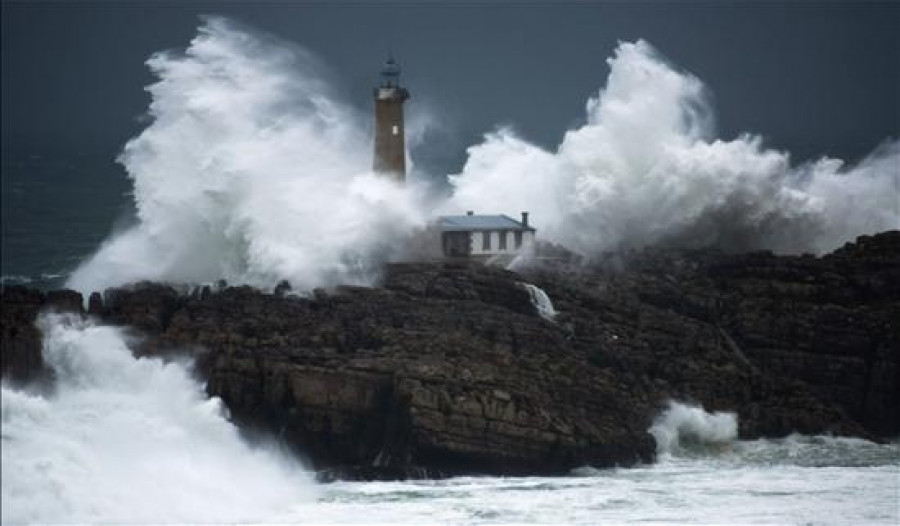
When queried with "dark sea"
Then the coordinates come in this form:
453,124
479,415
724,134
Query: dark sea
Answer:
56,210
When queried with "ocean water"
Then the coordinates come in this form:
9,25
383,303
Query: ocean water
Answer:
56,210
125,440
680,491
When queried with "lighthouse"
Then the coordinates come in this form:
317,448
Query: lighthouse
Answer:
390,148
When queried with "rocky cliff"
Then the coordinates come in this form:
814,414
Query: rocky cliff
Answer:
448,368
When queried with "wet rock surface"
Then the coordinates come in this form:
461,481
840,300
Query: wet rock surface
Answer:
21,361
447,368
792,343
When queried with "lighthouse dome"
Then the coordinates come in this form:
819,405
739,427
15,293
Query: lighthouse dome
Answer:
390,73
391,67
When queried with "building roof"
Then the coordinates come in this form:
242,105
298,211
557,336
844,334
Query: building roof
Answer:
480,222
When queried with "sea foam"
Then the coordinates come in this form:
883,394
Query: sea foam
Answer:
125,440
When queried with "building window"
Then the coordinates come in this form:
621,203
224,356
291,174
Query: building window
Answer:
485,241
396,130
518,239
502,240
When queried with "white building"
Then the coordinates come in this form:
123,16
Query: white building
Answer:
484,236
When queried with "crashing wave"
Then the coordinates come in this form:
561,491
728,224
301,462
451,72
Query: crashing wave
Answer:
251,171
684,428
130,440
646,169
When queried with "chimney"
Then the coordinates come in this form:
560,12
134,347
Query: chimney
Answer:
469,213
524,218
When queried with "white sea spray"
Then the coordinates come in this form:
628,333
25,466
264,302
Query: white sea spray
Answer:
125,440
251,171
646,168
681,426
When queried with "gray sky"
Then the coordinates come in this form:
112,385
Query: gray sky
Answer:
811,77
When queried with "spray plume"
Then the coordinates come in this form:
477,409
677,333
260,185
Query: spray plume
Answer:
645,170
251,172
131,440
685,427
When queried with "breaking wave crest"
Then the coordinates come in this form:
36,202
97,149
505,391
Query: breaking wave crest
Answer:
130,440
250,171
682,429
646,169
686,433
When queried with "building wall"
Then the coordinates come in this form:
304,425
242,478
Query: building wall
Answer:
527,238
477,242
456,244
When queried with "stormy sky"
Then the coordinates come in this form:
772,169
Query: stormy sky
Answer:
811,77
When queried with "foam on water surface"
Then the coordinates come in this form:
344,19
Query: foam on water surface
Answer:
131,440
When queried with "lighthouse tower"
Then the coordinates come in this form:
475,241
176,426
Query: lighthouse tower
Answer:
390,150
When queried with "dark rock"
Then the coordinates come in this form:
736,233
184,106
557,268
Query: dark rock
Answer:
65,301
95,304
20,340
829,322
446,368
145,306
282,288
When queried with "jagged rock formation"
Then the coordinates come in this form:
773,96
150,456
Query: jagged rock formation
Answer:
447,368
833,322
20,340
808,337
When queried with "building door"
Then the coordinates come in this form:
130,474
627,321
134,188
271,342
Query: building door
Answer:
456,244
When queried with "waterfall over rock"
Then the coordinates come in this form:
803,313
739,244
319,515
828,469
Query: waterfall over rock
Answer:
541,301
